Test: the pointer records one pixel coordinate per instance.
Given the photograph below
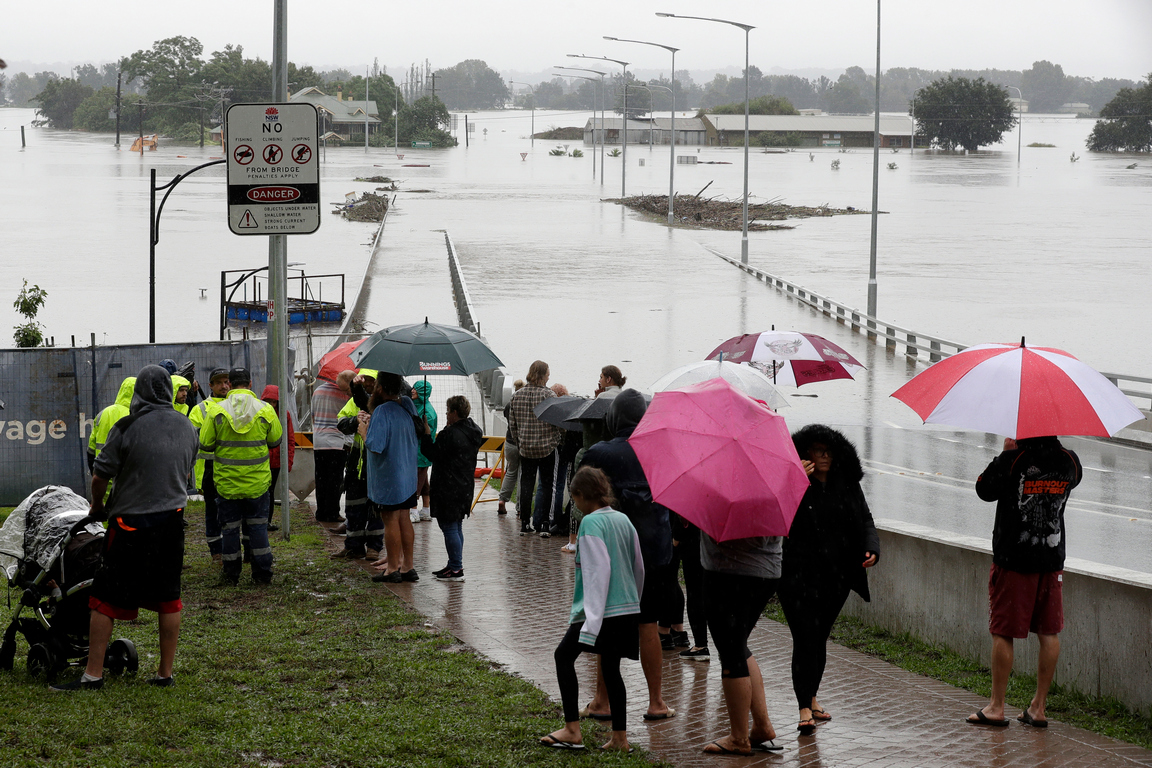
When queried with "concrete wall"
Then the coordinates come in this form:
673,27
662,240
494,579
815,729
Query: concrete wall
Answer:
934,586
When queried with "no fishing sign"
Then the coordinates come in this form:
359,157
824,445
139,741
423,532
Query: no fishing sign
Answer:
273,169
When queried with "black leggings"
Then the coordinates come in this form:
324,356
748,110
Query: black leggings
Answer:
688,554
570,647
734,605
811,603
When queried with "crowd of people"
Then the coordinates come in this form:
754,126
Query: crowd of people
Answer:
375,441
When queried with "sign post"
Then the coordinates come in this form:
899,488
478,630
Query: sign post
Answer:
274,190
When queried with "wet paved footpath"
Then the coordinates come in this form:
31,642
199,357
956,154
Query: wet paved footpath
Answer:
513,608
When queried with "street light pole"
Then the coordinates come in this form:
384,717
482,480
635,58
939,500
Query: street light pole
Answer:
624,134
533,92
1019,123
747,30
672,126
875,179
593,81
595,72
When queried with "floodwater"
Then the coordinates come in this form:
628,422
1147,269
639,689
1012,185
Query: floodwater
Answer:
972,248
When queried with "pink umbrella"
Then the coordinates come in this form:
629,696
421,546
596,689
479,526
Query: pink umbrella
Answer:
721,460
789,357
1019,392
338,360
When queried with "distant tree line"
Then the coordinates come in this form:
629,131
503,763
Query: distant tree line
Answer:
1126,124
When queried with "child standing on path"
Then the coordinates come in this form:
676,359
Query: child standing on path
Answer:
605,607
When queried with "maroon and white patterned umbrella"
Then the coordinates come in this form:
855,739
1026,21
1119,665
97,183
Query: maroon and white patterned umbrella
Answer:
789,357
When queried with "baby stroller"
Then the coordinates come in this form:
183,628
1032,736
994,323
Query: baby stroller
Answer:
50,550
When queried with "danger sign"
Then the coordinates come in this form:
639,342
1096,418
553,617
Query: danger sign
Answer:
273,173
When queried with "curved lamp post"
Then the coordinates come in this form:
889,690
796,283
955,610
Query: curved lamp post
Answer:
672,127
533,92
1019,122
595,72
593,81
624,133
747,29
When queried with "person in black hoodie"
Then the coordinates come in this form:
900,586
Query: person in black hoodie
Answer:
453,457
830,544
618,461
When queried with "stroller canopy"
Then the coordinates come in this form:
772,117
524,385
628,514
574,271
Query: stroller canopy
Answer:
37,528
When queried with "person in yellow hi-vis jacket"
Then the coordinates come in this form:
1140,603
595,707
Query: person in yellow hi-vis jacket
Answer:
180,387
109,416
238,435
218,385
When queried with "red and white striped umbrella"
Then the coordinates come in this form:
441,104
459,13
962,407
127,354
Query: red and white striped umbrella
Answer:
790,358
1019,392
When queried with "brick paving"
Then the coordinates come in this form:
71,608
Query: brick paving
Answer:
513,609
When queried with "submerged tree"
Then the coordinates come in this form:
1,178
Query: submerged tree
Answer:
28,303
1126,124
958,112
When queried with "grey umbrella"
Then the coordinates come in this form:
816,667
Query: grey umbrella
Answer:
425,349
557,410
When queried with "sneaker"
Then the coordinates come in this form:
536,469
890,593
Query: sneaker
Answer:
525,529
162,682
425,515
501,509
79,684
696,654
388,578
339,530
569,548
410,575
681,639
545,534
450,575
346,554
557,530
413,516
667,642
440,573
372,554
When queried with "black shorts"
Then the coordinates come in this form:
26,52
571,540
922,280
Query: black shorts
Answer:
734,604
409,504
619,636
655,585
141,566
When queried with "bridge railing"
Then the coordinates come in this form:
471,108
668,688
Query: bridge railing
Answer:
495,385
915,344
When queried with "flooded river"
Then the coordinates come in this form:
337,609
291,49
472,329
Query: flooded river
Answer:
971,248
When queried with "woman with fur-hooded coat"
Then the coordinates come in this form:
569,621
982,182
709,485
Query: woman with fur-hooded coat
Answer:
830,545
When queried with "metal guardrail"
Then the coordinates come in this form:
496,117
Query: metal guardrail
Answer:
495,385
913,342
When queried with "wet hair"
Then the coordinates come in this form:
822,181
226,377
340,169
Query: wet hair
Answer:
388,385
614,375
538,373
459,405
592,484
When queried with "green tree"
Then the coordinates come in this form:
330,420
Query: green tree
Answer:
92,114
1045,87
171,75
22,88
1126,124
845,97
424,120
59,100
761,105
28,303
471,84
958,112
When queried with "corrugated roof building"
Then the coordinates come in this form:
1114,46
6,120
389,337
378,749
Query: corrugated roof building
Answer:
812,130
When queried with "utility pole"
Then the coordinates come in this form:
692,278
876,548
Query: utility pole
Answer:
119,77
140,104
278,270
433,76
365,110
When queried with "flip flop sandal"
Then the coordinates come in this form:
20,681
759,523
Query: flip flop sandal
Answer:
555,743
1027,719
661,715
722,750
585,714
983,719
767,746
821,716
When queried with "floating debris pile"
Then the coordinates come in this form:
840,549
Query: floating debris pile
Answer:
717,213
367,207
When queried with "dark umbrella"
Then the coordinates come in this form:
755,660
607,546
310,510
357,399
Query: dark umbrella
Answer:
425,349
557,410
596,409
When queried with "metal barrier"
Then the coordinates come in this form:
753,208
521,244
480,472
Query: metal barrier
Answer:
895,336
495,385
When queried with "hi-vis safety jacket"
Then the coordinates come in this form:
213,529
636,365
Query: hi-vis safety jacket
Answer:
109,416
198,416
239,434
177,382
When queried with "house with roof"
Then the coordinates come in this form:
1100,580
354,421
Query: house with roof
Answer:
345,117
645,130
812,130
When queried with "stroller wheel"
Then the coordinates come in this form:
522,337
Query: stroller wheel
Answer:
121,657
42,662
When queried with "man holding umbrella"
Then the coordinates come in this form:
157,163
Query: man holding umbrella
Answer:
1030,482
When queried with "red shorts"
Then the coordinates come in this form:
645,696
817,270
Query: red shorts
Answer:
1020,603
128,614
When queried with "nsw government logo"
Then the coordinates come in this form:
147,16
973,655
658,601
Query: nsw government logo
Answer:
431,367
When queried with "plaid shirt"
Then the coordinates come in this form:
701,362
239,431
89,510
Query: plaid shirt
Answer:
534,438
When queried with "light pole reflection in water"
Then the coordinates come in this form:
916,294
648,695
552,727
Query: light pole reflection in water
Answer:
533,92
602,98
593,81
624,133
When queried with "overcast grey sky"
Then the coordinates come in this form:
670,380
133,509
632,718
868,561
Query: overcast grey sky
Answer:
1093,38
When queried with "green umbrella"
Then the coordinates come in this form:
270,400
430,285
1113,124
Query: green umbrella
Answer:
425,349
